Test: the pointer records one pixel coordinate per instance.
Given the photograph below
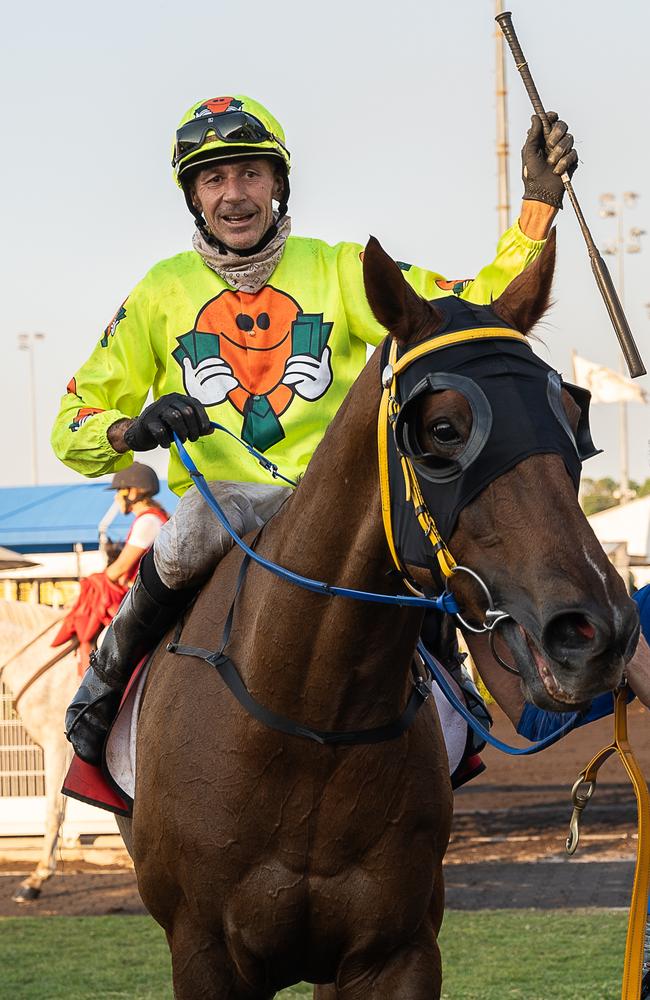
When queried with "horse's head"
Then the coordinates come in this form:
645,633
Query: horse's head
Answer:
496,440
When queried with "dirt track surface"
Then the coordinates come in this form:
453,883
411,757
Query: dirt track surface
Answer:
83,894
507,847
519,809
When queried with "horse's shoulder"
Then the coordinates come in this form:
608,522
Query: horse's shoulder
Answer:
204,622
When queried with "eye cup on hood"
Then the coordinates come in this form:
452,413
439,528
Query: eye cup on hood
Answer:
432,466
582,440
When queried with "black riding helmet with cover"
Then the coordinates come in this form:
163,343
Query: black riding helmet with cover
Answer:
228,128
138,477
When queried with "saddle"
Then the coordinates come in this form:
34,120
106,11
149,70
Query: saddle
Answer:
112,786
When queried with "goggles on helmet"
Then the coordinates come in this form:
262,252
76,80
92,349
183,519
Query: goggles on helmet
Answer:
229,126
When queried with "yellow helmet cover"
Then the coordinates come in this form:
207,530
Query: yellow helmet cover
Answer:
253,131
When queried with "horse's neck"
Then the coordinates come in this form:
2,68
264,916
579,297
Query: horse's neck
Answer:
27,616
26,630
339,656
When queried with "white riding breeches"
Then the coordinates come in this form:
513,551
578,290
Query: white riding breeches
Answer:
192,542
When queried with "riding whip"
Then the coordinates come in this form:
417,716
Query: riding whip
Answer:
598,266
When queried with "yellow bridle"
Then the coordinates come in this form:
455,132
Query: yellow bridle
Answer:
388,410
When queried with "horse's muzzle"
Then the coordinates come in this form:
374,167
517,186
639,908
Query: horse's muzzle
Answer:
575,638
572,654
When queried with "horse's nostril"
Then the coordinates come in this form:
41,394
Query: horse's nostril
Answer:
569,632
586,629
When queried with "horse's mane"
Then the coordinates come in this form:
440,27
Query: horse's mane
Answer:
27,615
21,621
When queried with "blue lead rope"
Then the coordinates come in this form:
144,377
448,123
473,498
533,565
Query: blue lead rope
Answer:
438,674
445,603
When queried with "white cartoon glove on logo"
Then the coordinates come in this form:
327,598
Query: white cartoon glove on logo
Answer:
210,382
309,377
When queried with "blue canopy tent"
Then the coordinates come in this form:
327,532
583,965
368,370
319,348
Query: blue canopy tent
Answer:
56,518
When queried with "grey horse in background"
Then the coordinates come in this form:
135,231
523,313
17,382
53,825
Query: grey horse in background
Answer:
42,681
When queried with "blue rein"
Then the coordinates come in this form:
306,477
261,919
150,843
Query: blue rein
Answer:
435,671
445,603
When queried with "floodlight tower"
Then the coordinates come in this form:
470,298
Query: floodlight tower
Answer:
613,207
27,342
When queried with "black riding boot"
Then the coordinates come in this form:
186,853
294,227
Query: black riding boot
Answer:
139,624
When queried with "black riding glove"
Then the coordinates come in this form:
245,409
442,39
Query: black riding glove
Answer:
545,159
171,413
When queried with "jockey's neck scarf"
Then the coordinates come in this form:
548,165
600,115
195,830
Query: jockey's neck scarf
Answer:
246,274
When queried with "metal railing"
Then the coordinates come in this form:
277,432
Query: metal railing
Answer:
21,760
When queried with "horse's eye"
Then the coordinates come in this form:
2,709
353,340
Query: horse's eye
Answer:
444,433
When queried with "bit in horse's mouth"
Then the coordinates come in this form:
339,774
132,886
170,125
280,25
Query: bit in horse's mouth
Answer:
544,671
524,649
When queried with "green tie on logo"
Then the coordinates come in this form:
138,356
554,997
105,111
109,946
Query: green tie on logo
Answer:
261,429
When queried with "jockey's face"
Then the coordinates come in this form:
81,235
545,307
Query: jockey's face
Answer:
236,199
127,498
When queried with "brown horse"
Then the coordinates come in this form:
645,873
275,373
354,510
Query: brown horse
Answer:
269,859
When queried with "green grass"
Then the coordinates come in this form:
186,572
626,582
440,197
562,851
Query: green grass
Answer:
495,955
533,955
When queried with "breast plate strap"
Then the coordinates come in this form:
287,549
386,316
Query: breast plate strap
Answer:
273,720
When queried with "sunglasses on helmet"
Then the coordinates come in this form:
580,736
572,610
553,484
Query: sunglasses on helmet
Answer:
230,126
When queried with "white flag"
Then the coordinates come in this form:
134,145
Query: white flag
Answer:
604,384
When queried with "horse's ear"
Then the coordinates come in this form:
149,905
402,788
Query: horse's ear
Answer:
404,313
528,296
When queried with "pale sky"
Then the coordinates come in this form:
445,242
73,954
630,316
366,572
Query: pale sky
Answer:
389,112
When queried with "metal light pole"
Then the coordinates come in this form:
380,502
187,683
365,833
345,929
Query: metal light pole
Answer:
503,193
613,207
26,342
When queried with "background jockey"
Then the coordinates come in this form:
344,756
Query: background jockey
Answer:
136,488
101,593
260,330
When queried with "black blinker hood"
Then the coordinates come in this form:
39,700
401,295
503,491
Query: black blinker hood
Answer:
516,403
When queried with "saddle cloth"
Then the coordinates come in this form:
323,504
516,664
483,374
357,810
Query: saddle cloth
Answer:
112,786
464,762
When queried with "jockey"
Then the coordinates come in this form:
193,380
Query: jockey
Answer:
258,329
102,593
136,487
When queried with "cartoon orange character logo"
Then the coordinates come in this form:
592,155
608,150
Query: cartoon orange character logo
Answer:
258,351
217,106
82,415
456,287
